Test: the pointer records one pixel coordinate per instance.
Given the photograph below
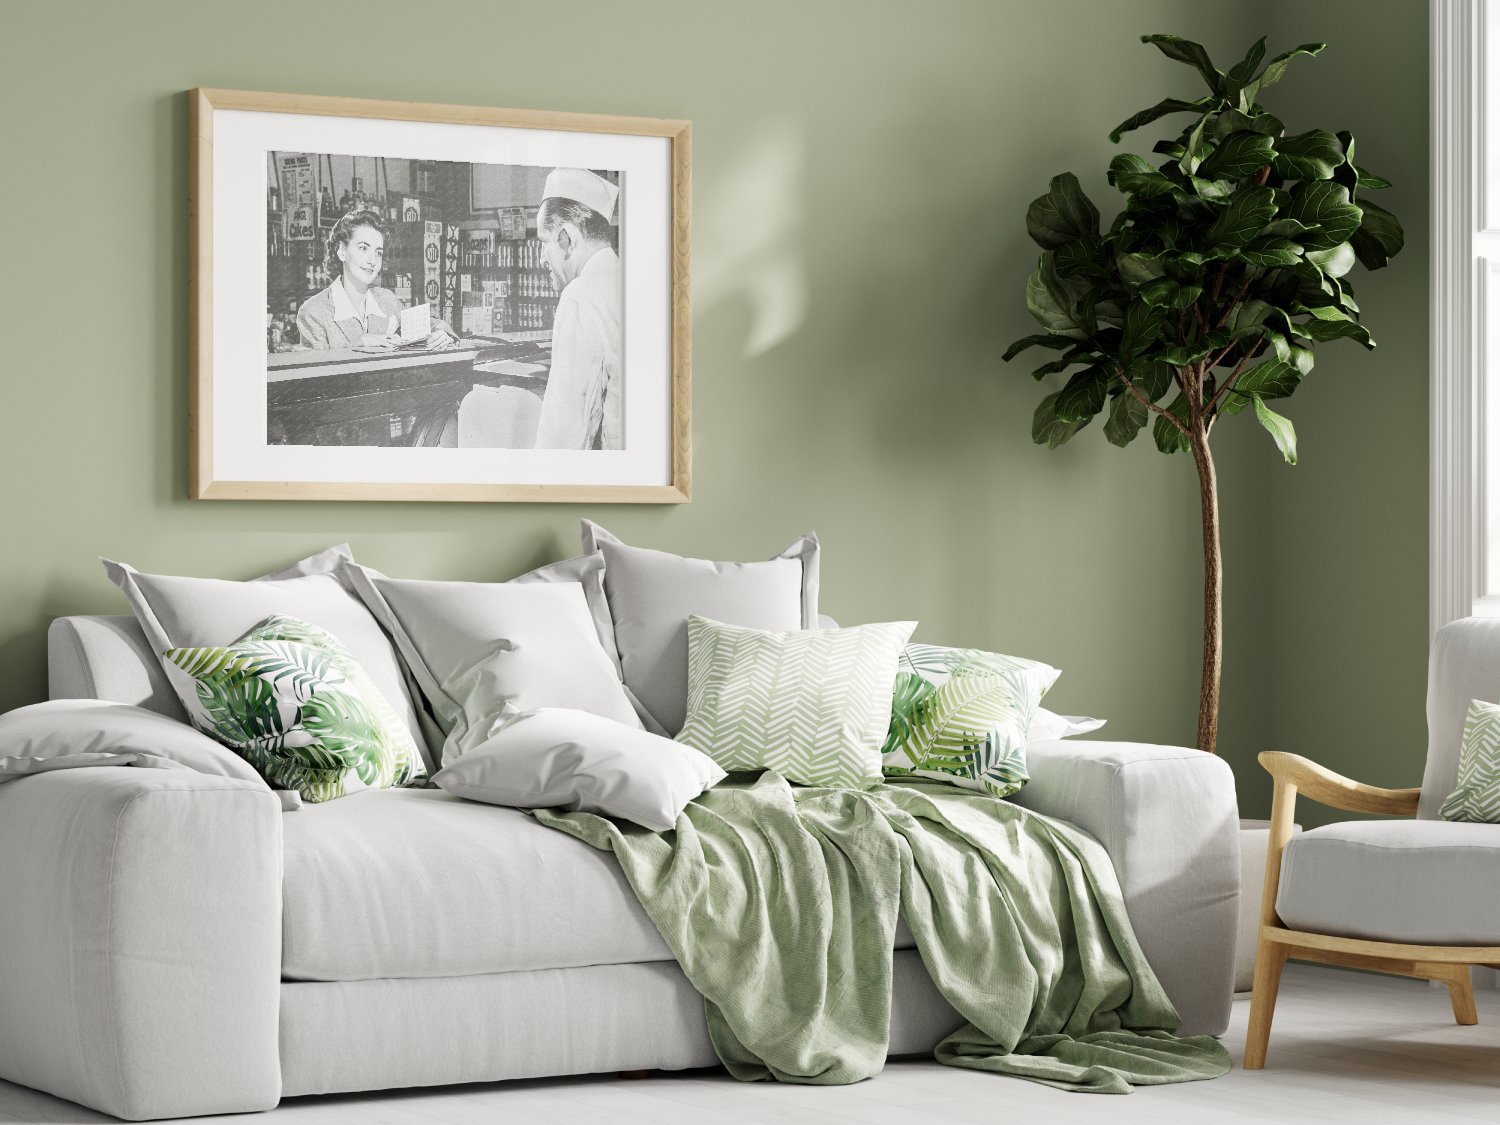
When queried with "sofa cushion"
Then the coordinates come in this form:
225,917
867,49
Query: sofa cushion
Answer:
649,596
811,704
294,703
183,612
476,647
461,889
1419,881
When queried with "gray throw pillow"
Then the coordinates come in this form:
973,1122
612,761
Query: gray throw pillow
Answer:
649,595
476,648
61,728
182,612
79,733
557,758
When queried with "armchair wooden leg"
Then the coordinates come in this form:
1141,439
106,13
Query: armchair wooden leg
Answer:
1270,958
1460,993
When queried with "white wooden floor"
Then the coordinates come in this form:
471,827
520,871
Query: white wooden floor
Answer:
1346,1048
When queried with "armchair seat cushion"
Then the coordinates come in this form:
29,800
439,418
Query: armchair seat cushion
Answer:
1422,882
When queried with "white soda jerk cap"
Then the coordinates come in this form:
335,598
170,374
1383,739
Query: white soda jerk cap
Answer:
582,186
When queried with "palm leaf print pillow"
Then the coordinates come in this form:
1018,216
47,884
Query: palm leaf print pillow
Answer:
292,701
962,716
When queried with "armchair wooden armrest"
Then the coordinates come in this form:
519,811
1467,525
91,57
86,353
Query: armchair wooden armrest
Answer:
1334,790
1295,774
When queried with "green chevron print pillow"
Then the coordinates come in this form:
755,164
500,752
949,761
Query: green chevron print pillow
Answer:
290,700
962,715
812,705
1477,796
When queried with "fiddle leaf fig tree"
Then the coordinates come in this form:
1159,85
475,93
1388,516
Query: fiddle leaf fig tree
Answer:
1209,291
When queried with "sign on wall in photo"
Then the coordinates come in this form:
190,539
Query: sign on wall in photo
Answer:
456,303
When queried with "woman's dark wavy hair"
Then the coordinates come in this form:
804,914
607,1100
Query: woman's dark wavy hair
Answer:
343,231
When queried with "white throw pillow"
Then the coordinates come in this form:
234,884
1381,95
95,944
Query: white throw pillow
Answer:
476,647
554,757
183,612
649,596
1046,725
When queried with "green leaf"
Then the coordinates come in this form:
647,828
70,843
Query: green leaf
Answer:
1160,109
1041,340
1127,415
1232,121
1379,238
1284,227
1312,155
1051,302
1192,150
1215,191
1324,330
1271,251
1279,428
1288,352
1063,215
1134,174
1135,269
1327,312
1372,182
1169,439
1326,206
1336,261
1143,324
1274,70
1272,379
1247,212
1169,294
1180,355
1194,54
1249,318
1244,70
1054,366
1077,257
1083,397
1152,378
1050,430
1238,155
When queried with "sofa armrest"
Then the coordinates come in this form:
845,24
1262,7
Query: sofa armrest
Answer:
1169,820
140,940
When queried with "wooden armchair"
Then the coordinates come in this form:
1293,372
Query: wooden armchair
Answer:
1446,963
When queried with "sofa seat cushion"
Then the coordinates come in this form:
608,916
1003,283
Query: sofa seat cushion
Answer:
1426,882
395,883
418,883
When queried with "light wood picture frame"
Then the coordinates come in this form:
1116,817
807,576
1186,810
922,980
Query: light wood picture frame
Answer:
297,394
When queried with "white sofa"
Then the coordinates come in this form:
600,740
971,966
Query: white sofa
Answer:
173,944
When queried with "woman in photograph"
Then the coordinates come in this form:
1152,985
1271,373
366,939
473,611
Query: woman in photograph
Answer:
353,311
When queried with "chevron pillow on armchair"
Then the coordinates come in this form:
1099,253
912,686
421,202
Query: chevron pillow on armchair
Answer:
1476,797
812,705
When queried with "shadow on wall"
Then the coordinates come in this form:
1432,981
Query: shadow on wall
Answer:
747,237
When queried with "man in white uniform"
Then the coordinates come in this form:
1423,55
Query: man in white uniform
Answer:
582,406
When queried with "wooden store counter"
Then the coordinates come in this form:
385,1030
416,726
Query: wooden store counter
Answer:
410,398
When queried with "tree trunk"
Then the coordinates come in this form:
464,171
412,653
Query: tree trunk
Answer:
1213,594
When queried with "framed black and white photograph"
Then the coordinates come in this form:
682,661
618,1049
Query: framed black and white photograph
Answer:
394,301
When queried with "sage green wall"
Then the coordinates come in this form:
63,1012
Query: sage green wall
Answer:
861,174
1346,546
